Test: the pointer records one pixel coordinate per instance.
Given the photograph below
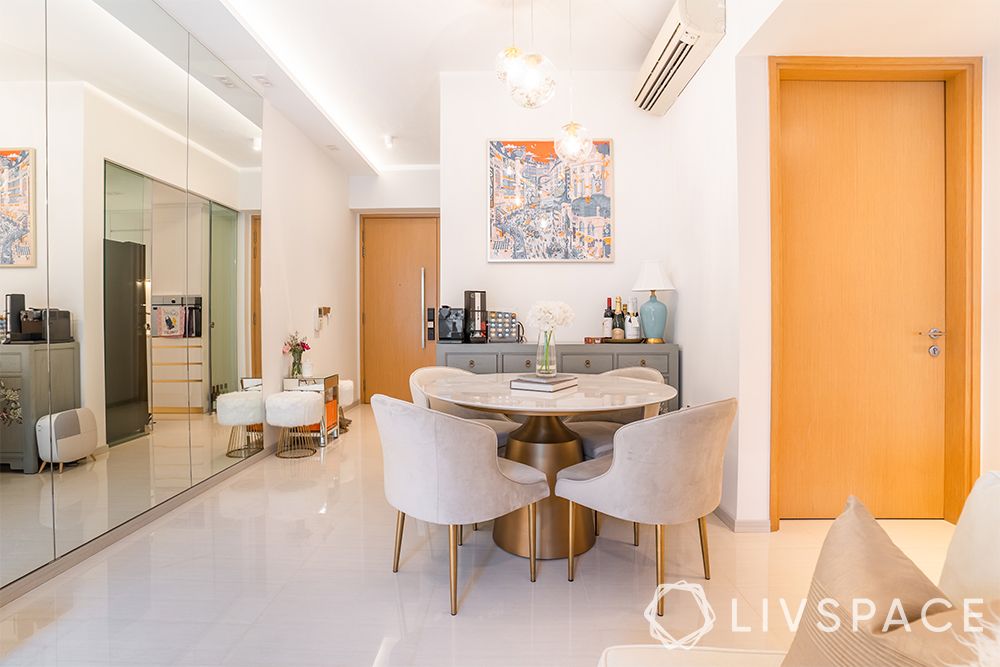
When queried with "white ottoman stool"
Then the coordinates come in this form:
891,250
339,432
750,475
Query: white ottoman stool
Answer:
244,411
294,412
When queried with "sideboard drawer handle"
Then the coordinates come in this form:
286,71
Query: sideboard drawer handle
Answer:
472,363
587,363
642,362
527,363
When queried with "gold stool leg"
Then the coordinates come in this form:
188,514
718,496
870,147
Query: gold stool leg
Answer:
597,525
461,534
453,566
475,526
703,533
532,511
635,533
572,531
660,565
400,518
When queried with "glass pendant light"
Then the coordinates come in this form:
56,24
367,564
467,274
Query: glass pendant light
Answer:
574,143
532,82
510,59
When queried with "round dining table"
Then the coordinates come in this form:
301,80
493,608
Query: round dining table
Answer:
546,442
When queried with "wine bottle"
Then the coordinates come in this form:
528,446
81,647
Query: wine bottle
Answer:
632,321
607,321
618,322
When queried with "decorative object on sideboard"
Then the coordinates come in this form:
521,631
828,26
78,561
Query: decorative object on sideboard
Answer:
543,209
294,346
17,207
653,313
546,316
574,143
451,324
504,327
476,317
10,405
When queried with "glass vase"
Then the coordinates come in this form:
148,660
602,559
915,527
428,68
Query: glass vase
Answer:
545,356
296,371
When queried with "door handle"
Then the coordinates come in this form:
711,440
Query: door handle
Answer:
423,307
935,333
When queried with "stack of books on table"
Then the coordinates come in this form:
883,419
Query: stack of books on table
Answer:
548,383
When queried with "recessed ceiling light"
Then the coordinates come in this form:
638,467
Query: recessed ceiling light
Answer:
388,139
225,81
262,80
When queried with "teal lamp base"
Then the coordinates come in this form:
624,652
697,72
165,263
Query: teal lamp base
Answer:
653,317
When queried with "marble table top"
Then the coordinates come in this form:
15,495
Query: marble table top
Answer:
594,393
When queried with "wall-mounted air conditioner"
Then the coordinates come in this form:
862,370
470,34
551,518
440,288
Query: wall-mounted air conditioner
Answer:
690,33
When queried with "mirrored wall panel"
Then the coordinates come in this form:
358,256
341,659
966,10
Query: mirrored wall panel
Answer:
138,312
26,521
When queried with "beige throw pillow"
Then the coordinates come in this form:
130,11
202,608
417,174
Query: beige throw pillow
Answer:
859,562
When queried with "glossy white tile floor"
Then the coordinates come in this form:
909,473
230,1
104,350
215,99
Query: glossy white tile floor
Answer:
92,497
288,563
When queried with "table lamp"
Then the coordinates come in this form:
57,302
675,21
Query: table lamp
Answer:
653,313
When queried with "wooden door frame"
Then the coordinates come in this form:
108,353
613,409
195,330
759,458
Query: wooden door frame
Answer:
363,218
962,78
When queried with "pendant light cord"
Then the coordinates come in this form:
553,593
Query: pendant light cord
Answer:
572,71
532,25
513,24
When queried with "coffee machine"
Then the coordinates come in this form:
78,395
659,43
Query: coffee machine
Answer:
476,317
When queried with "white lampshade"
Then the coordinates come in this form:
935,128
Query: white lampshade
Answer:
651,277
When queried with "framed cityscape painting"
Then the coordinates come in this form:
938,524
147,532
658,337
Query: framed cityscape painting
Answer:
542,209
17,207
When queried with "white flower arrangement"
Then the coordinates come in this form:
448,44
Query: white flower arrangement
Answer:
547,315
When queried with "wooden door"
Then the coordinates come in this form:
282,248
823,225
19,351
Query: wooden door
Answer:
399,257
255,296
861,271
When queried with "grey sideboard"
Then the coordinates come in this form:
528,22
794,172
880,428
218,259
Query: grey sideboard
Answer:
571,358
26,367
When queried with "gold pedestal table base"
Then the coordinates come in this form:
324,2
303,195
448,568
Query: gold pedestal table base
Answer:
544,442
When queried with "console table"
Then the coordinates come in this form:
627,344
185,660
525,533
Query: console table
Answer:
571,358
25,366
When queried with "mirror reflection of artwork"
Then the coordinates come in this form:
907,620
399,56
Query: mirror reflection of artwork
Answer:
543,209
17,207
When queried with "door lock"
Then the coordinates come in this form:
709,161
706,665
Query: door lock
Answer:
934,351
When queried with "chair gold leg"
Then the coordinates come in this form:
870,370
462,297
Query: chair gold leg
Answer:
42,469
703,533
400,518
461,534
60,467
597,525
453,566
635,533
532,513
659,565
572,530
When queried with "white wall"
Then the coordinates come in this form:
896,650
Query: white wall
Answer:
22,125
308,254
474,109
398,189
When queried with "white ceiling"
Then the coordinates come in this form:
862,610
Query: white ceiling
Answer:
87,44
883,28
372,65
